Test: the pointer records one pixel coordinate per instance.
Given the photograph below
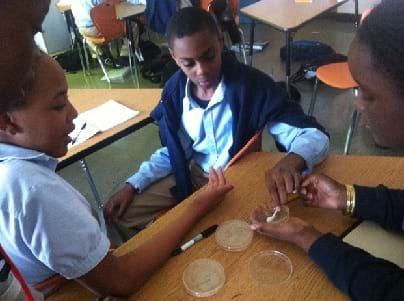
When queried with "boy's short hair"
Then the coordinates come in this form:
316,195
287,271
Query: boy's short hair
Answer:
190,20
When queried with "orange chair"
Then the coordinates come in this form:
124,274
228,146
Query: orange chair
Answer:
253,145
110,28
336,75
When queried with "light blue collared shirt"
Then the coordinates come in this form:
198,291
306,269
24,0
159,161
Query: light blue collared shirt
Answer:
46,226
211,132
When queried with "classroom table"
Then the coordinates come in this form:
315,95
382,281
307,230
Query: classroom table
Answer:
247,175
287,16
142,100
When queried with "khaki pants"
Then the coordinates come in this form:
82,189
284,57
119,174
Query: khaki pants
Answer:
157,198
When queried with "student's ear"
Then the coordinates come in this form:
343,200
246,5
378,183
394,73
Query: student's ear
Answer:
7,125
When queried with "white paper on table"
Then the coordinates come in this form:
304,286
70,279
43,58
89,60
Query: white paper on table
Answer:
378,242
100,119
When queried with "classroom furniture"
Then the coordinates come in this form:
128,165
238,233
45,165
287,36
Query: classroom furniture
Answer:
336,75
64,7
142,100
287,16
247,175
55,37
228,21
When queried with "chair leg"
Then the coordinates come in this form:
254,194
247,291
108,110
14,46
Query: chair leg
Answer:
133,63
86,55
104,70
313,98
350,132
242,46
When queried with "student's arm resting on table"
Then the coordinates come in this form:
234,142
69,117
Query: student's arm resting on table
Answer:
150,171
306,147
130,271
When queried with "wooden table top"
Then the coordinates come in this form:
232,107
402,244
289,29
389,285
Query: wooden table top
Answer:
142,100
287,15
247,175
125,10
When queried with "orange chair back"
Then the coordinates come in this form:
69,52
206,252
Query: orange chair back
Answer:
104,18
253,145
336,75
204,4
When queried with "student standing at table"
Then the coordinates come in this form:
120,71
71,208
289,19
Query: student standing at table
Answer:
208,111
46,226
376,60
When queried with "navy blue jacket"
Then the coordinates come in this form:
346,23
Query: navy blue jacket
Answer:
354,271
254,99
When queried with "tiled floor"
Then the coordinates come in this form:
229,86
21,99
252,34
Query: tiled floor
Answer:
112,165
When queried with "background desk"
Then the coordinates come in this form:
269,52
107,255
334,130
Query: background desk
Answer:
142,100
287,16
307,282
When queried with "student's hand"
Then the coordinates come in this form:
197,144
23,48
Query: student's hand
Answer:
118,203
215,192
294,230
284,178
322,191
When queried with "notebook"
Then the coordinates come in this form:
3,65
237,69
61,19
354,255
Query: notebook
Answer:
100,119
378,242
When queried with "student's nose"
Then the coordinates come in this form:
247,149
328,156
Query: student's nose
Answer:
72,111
201,69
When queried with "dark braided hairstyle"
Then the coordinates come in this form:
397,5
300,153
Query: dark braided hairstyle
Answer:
190,20
382,32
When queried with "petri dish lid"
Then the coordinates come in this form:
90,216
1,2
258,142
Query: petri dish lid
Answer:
203,277
234,235
281,216
270,268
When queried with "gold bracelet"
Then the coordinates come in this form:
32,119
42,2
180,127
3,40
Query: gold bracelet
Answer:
350,200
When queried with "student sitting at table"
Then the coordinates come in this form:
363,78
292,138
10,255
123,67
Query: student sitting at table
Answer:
376,60
46,226
208,111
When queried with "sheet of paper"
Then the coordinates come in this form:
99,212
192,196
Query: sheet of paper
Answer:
81,134
378,242
100,119
108,115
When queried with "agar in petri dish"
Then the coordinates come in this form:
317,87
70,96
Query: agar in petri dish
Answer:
203,277
234,235
270,268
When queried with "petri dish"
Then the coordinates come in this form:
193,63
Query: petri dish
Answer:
234,235
203,277
281,216
269,268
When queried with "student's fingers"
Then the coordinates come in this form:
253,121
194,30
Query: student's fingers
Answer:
289,183
213,177
282,195
221,178
310,180
298,179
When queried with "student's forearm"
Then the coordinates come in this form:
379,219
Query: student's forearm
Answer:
133,269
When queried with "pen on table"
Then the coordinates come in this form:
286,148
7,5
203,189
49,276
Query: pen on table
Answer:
205,233
78,134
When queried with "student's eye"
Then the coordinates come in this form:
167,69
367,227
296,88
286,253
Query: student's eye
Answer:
59,107
188,64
